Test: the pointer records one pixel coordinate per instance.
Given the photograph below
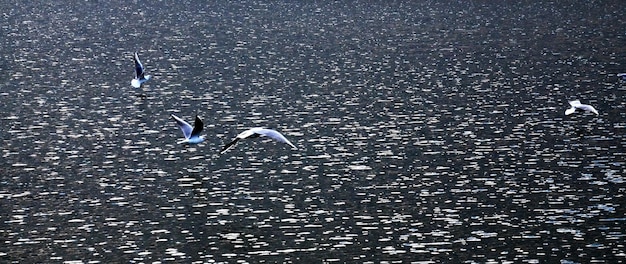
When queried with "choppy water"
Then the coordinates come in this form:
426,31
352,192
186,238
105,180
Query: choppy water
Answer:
428,132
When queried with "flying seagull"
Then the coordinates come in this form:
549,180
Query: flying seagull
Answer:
258,132
192,134
622,76
576,104
140,76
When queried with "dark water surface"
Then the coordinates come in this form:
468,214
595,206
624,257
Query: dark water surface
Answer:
428,132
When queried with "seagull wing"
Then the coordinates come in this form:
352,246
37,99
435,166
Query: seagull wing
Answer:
589,108
575,103
197,127
229,145
184,126
139,70
570,111
275,135
243,135
249,133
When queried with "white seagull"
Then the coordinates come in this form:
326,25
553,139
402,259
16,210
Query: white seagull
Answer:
622,76
192,134
576,104
258,132
140,76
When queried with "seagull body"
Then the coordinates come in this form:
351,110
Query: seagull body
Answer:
622,76
140,76
192,134
258,132
577,105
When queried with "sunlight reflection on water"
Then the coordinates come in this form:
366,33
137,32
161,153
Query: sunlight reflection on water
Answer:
427,132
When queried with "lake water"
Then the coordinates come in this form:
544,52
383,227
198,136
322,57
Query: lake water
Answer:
427,132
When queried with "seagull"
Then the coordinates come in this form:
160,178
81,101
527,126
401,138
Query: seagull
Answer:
622,76
576,104
258,132
192,134
140,76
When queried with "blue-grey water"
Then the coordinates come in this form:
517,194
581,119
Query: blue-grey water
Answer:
427,132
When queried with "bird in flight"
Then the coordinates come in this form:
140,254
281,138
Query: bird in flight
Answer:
192,134
140,76
577,105
258,132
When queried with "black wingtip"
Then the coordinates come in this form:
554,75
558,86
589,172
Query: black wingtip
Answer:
198,126
229,145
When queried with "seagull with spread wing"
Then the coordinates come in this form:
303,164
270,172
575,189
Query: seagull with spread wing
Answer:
577,105
258,132
192,134
140,75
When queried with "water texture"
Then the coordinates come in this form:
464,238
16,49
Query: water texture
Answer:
427,132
